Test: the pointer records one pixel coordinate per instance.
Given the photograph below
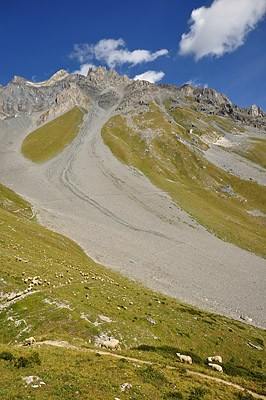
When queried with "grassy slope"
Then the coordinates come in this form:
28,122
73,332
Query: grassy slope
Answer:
61,311
255,152
50,139
71,375
190,179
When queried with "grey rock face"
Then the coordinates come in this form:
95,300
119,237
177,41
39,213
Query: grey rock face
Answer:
254,111
59,93
107,88
103,78
227,189
206,95
22,96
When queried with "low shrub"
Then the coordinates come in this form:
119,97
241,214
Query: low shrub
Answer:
244,396
22,362
150,374
197,393
6,355
173,395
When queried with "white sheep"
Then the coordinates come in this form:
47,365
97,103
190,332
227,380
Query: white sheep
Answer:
29,341
215,359
216,367
112,344
184,359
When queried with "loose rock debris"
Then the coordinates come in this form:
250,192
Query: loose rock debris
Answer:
34,381
125,386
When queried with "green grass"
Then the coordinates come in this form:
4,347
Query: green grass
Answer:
51,139
255,152
72,312
191,180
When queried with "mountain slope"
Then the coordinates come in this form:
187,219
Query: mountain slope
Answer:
171,158
118,216
79,301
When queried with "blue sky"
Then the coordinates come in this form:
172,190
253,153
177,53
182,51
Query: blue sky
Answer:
223,45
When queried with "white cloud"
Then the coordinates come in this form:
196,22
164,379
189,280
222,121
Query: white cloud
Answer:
222,27
114,52
83,52
196,83
84,68
150,76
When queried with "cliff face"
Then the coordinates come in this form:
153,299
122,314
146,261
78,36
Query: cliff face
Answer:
107,88
205,95
24,97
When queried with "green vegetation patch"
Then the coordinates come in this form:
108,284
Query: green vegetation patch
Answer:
11,202
50,139
255,152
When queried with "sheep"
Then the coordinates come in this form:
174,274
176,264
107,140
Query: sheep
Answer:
112,344
184,359
216,367
29,341
215,358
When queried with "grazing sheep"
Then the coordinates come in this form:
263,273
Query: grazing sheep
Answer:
29,341
184,359
216,367
112,344
215,359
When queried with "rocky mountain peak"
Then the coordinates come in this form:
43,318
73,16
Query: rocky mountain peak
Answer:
58,76
18,79
102,77
256,111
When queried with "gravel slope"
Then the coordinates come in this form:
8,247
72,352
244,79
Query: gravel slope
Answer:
123,221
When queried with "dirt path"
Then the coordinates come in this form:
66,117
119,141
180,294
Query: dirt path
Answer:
67,345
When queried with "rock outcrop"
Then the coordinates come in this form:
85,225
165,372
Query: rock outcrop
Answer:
205,95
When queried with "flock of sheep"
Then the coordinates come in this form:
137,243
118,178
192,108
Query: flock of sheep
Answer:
216,367
111,344
114,344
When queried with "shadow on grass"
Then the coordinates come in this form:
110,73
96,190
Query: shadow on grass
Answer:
168,351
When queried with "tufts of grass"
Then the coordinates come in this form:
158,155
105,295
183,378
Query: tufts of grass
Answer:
152,375
50,139
197,393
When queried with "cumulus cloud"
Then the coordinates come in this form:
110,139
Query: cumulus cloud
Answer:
84,68
222,27
150,76
113,53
